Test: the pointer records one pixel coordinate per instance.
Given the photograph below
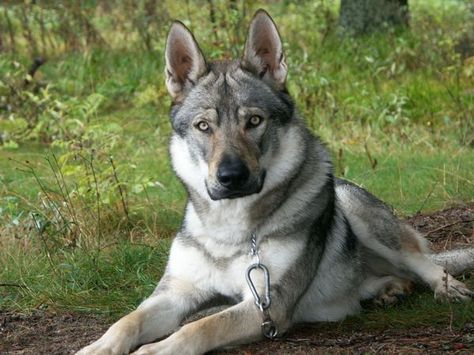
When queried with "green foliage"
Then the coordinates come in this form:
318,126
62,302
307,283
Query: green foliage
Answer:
41,113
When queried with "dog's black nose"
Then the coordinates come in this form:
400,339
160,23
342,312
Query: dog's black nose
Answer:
232,173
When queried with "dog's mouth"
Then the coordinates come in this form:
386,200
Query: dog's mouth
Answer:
253,186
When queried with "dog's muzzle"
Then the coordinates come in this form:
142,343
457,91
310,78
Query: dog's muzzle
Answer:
232,174
234,180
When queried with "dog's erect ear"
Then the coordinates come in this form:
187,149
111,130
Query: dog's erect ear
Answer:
185,63
264,50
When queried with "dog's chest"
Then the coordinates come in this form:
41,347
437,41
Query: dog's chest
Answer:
222,275
215,252
225,274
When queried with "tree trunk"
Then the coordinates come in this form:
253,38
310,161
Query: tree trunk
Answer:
365,16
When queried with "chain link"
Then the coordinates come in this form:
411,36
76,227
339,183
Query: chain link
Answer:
254,249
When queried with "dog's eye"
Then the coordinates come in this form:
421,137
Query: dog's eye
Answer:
254,121
203,126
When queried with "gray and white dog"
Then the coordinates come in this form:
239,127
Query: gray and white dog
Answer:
262,192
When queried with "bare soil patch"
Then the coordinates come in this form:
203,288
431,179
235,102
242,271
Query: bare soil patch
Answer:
64,333
451,228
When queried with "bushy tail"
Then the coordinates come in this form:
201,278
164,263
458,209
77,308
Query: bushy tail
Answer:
455,261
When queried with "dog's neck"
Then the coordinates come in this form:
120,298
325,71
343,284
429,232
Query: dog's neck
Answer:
232,221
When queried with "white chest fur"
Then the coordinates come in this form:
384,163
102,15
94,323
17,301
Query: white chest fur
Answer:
221,268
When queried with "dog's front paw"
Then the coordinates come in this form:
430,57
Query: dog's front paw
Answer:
160,348
149,349
452,290
174,344
104,347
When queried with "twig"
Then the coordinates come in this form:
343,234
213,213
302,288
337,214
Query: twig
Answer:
56,169
340,162
63,180
11,285
97,195
426,198
119,185
43,240
89,164
451,314
373,161
447,225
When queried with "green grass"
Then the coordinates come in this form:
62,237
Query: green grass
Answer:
413,182
79,280
400,98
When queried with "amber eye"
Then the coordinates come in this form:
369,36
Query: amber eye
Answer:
254,121
203,126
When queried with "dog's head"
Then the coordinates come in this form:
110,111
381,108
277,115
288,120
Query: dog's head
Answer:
229,113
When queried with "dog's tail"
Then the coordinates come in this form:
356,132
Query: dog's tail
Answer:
455,261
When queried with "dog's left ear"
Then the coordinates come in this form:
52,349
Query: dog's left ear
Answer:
264,51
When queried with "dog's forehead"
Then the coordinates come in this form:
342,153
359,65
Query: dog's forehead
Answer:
228,85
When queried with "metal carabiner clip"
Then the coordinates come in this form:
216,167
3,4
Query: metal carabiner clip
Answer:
262,305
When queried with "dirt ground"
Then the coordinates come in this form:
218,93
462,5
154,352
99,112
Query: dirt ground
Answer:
50,333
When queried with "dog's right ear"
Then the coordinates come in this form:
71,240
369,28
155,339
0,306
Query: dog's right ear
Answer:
185,63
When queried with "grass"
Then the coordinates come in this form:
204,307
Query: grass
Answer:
413,182
77,233
83,281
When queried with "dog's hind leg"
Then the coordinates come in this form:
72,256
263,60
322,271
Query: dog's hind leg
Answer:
392,248
415,257
411,262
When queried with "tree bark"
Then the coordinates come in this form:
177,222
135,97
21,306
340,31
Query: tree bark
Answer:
364,16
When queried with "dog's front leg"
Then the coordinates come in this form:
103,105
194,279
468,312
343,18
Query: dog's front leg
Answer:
156,317
235,325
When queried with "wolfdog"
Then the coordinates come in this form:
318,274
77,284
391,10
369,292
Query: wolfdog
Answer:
267,226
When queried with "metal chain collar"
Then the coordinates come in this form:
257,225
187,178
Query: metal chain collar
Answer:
269,328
